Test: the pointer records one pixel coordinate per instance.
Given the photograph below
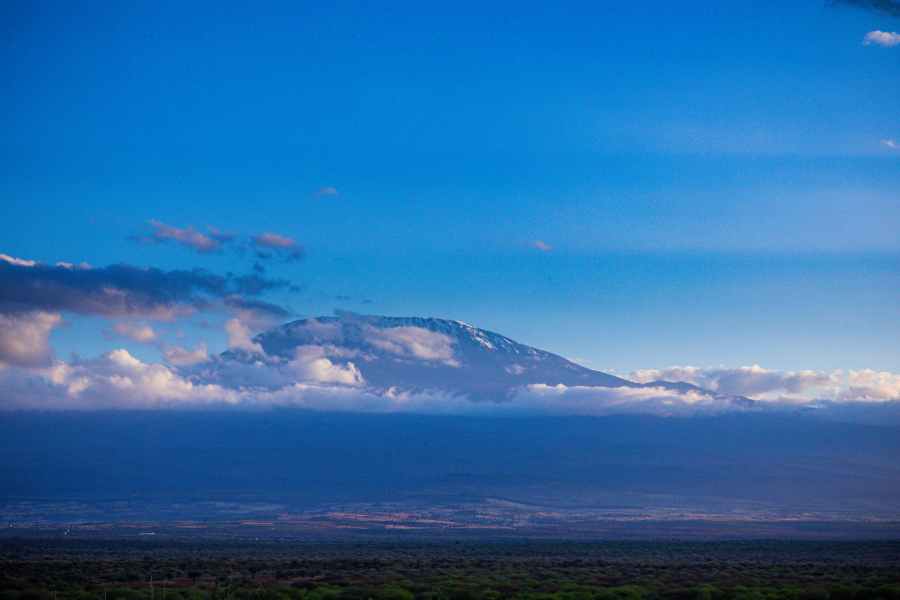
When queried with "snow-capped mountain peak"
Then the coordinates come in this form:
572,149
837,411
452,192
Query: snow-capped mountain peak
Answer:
416,353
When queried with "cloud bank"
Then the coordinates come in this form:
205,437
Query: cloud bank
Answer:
327,377
797,387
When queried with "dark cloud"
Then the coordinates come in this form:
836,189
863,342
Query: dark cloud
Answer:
259,307
120,290
255,284
887,7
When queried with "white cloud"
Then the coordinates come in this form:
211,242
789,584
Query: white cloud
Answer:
115,380
24,337
315,379
19,262
753,381
119,380
541,245
311,364
413,342
135,331
890,143
240,336
594,400
887,39
871,386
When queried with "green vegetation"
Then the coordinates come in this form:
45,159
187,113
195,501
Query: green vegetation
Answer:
95,570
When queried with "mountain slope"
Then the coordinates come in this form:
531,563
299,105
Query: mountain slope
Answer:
437,354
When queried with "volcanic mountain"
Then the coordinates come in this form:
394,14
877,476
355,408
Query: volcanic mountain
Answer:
414,353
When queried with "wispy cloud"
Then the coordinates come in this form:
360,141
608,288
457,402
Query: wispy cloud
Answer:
413,342
182,357
888,39
327,192
19,262
275,245
890,143
185,236
541,245
138,332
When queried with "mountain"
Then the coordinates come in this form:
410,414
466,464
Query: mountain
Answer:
415,353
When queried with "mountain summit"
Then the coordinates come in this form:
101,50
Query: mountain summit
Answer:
414,353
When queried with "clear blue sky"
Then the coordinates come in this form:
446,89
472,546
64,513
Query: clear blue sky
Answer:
711,180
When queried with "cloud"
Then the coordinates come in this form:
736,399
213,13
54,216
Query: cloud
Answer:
327,192
871,386
887,7
19,262
250,316
24,337
324,377
120,290
274,245
890,143
596,401
119,380
541,245
223,237
311,364
240,336
185,236
888,39
413,342
752,381
255,308
115,380
182,357
274,240
136,331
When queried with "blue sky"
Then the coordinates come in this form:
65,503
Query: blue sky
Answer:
711,183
